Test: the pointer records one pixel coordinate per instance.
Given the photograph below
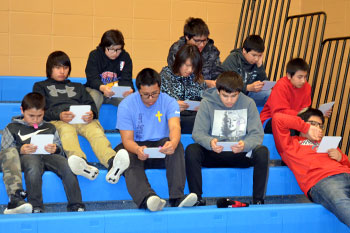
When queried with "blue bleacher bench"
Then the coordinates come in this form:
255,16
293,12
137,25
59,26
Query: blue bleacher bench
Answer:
271,218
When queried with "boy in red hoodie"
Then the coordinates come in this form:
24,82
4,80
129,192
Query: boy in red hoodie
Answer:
323,177
290,95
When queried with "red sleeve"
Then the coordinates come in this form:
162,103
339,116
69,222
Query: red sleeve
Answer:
280,101
344,160
281,125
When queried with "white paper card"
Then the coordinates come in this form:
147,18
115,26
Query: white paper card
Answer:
328,142
79,111
325,107
41,140
153,153
193,105
226,145
268,85
119,90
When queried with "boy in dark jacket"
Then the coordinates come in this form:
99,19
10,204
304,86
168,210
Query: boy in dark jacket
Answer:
108,64
196,32
18,135
60,94
248,62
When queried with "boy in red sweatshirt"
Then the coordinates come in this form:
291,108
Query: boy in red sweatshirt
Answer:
323,177
290,95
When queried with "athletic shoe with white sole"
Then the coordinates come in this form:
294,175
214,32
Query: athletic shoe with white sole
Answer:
120,163
17,205
186,201
154,203
80,167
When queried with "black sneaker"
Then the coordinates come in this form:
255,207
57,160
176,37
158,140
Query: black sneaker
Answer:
17,205
186,201
200,202
76,208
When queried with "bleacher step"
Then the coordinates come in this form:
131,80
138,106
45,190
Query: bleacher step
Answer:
276,218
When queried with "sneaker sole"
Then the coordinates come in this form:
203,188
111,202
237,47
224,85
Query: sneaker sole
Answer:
26,208
154,203
81,168
189,201
121,162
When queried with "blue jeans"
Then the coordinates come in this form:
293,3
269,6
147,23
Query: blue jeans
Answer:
260,97
333,193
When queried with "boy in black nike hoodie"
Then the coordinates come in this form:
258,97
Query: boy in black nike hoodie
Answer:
18,135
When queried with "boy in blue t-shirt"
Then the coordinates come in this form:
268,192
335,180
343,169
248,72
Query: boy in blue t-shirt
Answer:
149,118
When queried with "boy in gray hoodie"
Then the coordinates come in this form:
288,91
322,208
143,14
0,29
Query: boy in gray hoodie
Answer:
226,114
248,62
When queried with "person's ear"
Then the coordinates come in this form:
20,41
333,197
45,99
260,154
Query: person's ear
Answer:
22,110
289,76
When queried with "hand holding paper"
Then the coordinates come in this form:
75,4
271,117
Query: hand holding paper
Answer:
226,145
120,90
153,153
327,143
79,111
268,85
324,108
41,141
192,105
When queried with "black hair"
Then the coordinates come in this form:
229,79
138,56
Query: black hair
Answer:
33,100
147,77
57,58
297,64
112,37
254,42
195,27
305,116
189,52
229,81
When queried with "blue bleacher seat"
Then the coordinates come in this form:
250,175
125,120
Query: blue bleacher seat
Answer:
281,218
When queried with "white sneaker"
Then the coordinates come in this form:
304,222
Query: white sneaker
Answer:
189,200
154,203
80,167
25,208
121,162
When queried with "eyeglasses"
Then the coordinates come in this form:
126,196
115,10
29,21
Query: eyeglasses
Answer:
114,50
153,95
317,124
198,42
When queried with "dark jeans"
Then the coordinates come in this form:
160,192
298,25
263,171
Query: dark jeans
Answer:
187,121
136,179
333,193
34,166
198,157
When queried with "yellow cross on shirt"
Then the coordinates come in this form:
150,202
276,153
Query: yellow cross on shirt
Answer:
159,115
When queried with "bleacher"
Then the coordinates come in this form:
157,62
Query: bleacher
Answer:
217,182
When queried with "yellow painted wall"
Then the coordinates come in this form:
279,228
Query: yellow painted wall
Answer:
31,29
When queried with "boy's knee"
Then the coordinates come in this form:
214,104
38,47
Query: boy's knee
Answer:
261,155
192,153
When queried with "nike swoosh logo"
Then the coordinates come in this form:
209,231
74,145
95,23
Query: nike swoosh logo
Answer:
25,137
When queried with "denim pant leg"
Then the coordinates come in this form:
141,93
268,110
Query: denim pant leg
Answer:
136,179
59,165
260,97
11,168
333,193
33,168
260,158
